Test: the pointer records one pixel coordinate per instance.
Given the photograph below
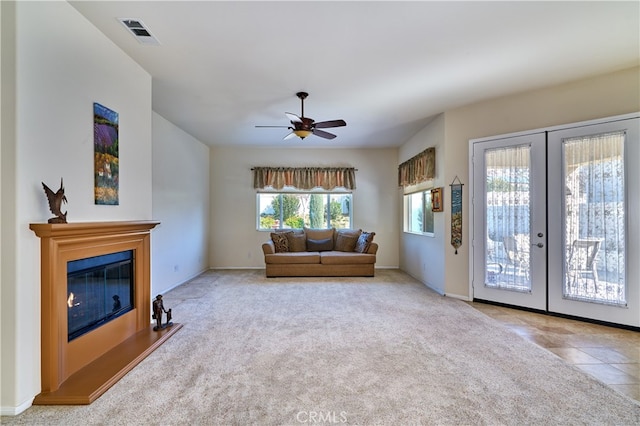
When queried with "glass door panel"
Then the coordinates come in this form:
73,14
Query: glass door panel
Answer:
509,266
506,192
594,222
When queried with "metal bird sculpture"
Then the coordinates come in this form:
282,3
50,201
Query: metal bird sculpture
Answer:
55,203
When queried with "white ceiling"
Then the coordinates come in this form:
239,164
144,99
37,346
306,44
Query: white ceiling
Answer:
386,68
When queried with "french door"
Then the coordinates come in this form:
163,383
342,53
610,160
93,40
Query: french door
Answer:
593,212
553,220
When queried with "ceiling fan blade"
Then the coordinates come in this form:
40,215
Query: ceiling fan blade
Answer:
293,118
331,123
289,136
323,134
275,126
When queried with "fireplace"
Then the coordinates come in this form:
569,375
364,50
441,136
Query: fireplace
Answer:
89,338
99,289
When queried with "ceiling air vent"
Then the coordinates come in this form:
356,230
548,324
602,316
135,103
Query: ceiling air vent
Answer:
139,31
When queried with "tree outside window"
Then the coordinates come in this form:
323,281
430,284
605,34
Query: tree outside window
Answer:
294,210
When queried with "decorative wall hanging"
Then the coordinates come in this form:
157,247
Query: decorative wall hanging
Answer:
456,213
105,149
437,202
418,169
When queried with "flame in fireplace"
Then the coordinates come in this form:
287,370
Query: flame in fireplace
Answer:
70,300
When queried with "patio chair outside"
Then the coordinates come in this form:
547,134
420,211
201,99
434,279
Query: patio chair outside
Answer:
582,261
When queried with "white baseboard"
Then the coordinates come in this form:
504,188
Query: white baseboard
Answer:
14,411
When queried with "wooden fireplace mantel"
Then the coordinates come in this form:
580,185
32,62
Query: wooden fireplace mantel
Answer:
86,229
79,371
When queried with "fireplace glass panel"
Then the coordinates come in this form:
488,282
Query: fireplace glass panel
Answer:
99,289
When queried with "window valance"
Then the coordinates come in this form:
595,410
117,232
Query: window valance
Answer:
304,177
418,169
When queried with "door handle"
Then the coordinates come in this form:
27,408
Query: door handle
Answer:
538,245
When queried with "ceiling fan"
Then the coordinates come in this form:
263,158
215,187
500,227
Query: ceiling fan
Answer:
302,126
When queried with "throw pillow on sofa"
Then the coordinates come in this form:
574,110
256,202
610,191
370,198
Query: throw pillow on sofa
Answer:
320,245
297,241
280,241
364,241
346,239
318,234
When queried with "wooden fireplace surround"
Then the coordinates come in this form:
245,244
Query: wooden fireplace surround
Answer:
79,371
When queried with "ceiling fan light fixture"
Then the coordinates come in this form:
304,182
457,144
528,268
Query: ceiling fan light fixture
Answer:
302,126
302,133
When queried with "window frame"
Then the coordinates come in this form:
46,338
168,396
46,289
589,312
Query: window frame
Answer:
428,217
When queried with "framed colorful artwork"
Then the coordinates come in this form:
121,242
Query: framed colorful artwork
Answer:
436,199
105,155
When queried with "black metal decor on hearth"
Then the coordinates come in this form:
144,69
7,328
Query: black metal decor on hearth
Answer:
158,309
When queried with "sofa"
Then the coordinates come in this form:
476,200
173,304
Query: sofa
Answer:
320,253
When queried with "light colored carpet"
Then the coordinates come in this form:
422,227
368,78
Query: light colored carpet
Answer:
365,351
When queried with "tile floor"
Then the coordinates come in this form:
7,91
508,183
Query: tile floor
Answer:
610,354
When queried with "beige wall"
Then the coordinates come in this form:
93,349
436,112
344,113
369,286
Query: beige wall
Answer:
181,204
422,256
235,242
612,94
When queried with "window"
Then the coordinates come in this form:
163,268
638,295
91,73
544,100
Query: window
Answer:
285,210
418,213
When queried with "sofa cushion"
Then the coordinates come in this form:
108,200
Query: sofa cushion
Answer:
281,241
297,241
320,245
289,258
364,241
318,234
344,258
346,239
